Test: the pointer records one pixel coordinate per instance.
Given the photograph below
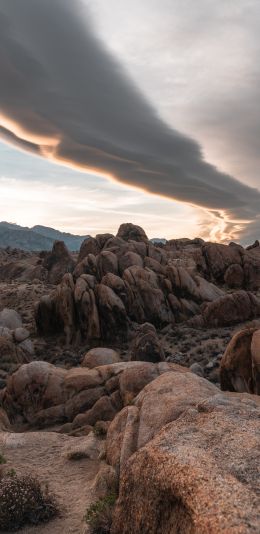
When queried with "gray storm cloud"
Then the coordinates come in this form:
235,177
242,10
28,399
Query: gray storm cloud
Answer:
64,96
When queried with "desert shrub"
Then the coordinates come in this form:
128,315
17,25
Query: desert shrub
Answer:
23,501
2,459
100,514
100,429
77,454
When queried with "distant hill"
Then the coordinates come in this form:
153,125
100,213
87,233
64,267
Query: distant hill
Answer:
36,238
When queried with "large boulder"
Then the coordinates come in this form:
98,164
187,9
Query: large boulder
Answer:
11,355
112,313
146,346
231,309
219,257
234,265
10,319
147,301
129,231
58,262
186,285
161,401
100,356
240,365
41,394
197,476
234,276
89,246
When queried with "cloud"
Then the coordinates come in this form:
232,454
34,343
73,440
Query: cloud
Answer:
64,96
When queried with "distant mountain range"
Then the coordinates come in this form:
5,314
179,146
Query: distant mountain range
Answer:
36,238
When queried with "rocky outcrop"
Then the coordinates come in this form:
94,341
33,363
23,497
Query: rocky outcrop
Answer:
161,401
58,262
238,267
240,365
146,345
89,246
231,309
125,279
16,346
41,394
198,475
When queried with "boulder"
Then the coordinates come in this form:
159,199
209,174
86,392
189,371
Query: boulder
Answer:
197,476
219,257
11,355
100,356
41,394
231,309
20,334
129,231
112,314
146,346
147,301
255,351
89,246
107,262
4,421
6,332
234,276
103,238
161,401
10,319
240,364
58,262
128,259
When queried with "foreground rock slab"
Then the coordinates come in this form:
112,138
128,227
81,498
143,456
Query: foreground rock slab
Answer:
198,476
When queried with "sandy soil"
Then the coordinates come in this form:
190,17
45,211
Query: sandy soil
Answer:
42,454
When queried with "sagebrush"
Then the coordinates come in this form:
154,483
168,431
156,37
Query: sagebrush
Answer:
23,501
100,514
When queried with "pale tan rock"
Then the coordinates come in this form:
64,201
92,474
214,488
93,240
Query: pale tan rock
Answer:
197,476
100,356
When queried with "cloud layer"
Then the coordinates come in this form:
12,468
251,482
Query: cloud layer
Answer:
64,96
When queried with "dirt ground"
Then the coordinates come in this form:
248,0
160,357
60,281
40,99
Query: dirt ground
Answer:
42,454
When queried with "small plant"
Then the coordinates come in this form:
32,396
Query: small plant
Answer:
100,430
77,455
23,501
2,459
99,515
11,473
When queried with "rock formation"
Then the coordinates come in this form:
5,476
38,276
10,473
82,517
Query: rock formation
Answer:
126,279
198,475
240,365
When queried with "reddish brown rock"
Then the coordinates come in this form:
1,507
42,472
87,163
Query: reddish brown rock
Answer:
231,309
220,257
234,276
129,231
58,262
41,394
146,346
89,246
240,365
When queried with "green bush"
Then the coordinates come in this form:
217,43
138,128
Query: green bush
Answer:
23,501
99,515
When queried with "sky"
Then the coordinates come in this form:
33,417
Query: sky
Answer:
136,111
